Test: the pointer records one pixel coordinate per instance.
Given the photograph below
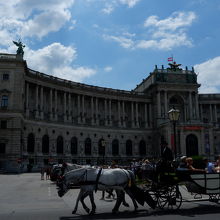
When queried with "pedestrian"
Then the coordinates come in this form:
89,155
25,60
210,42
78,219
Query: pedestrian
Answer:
42,173
48,173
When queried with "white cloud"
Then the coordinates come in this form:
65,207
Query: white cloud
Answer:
108,69
123,41
172,23
129,3
108,9
169,32
209,75
163,34
28,18
111,5
56,60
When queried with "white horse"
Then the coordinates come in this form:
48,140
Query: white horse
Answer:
86,190
102,179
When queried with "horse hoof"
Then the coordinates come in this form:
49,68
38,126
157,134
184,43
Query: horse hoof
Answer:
74,212
92,213
114,211
135,210
125,204
88,211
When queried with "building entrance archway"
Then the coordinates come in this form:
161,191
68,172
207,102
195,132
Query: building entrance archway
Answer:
191,145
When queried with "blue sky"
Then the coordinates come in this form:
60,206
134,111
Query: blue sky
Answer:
114,43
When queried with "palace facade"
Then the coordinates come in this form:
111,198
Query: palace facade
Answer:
47,119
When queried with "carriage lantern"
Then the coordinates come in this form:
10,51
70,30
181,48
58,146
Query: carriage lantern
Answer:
174,115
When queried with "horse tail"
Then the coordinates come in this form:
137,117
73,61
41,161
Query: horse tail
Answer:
142,196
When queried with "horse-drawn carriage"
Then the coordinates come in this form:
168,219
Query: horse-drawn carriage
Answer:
164,190
165,187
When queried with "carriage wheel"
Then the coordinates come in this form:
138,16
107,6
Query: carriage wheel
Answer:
170,198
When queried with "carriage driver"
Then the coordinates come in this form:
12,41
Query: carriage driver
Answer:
166,154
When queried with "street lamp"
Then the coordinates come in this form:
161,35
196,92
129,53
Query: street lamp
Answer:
174,115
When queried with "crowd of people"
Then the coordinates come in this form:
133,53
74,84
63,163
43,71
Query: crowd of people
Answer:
206,167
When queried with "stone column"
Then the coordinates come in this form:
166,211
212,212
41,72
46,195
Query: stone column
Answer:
150,114
78,109
51,104
55,107
215,113
185,112
190,106
119,113
92,111
42,103
36,103
110,112
132,114
158,105
96,111
64,106
145,115
137,119
83,109
210,112
165,104
197,105
69,108
201,112
123,114
27,100
105,112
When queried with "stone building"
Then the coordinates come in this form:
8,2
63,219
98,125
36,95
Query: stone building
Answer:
47,119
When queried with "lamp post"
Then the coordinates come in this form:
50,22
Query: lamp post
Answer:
174,115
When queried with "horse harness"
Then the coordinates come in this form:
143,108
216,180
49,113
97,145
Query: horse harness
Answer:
83,179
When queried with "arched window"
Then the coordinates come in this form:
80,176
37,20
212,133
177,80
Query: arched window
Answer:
88,146
30,143
60,145
142,147
115,147
74,145
45,144
101,149
128,147
4,102
2,148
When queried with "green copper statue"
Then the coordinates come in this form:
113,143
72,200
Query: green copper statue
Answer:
20,46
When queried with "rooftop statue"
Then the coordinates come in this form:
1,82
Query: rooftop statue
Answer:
20,46
174,66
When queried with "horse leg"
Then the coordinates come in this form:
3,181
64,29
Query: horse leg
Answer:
86,193
91,196
81,192
123,200
132,198
119,194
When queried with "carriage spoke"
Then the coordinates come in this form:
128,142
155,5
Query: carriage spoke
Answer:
172,199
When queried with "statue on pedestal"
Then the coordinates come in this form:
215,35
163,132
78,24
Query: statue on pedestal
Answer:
20,46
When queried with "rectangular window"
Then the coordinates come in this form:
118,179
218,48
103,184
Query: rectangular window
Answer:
5,76
3,124
2,148
4,102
